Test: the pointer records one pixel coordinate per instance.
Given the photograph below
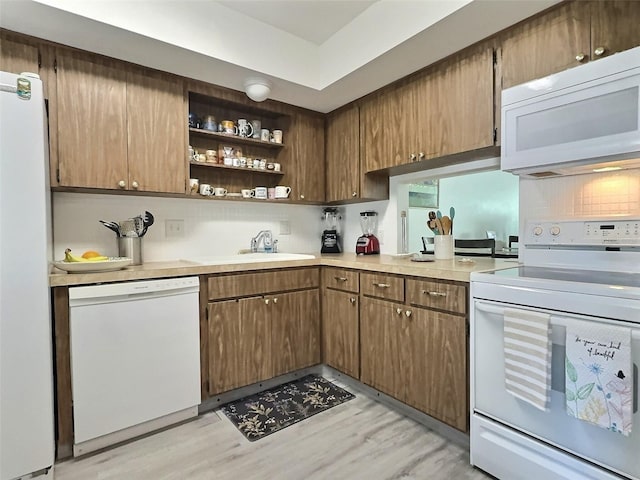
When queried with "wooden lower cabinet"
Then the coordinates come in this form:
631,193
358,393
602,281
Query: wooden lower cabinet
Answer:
257,338
341,331
295,331
417,356
239,344
437,382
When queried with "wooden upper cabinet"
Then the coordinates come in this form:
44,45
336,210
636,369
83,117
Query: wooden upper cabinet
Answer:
343,154
156,132
615,26
546,45
455,107
18,57
304,157
387,127
92,120
567,36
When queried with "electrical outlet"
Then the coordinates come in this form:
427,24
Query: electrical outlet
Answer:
174,228
381,237
285,227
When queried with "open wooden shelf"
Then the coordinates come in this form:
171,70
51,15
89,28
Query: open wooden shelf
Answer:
225,137
237,169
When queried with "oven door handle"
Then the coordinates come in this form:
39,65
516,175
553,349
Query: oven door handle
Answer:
561,322
555,321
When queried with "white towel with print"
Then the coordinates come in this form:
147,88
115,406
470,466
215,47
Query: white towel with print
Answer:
598,380
527,356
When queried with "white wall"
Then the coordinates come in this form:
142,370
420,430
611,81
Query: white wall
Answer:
211,227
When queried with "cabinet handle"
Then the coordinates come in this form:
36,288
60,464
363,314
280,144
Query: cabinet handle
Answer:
135,184
421,156
598,51
412,157
580,57
122,184
266,301
275,300
399,311
381,285
352,300
407,313
354,194
301,197
340,279
434,294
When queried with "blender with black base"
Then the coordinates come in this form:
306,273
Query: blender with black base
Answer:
331,242
368,243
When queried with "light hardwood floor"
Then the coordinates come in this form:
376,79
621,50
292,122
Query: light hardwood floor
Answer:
360,439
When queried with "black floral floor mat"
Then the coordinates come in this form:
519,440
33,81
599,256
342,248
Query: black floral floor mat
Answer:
264,413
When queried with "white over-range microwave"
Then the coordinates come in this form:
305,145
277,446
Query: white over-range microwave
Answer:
581,120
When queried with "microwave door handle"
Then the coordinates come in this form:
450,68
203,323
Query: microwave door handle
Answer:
562,322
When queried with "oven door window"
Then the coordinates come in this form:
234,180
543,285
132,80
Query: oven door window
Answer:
600,446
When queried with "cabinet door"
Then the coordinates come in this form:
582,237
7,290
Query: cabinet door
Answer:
456,106
547,44
437,370
92,138
388,129
295,330
343,155
239,344
380,365
615,26
305,158
18,57
340,331
156,133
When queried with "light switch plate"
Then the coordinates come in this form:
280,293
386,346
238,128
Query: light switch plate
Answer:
174,228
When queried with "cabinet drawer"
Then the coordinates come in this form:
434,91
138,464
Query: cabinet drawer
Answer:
260,283
434,294
382,286
341,279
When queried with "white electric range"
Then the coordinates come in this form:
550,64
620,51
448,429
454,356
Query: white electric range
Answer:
587,270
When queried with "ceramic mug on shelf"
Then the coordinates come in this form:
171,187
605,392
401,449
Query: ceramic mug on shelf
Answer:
211,156
277,136
261,193
229,127
205,189
245,129
219,191
265,134
247,193
193,185
209,123
257,127
271,193
282,191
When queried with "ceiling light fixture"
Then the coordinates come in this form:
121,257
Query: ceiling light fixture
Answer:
257,89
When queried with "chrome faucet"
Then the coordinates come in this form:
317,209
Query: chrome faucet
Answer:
268,243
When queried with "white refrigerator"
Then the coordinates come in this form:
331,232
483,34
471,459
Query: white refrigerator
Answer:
26,363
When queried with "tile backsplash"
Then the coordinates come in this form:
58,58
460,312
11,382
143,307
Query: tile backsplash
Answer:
210,227
589,195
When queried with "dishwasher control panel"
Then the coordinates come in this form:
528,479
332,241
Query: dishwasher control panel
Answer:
164,286
620,232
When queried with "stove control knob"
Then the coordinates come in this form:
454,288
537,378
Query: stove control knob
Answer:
537,231
555,230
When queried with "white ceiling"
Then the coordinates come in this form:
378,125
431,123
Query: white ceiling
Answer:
318,54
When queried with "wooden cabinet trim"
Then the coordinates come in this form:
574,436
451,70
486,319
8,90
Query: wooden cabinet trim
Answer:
262,283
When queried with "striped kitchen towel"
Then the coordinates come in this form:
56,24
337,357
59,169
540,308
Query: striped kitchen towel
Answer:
527,356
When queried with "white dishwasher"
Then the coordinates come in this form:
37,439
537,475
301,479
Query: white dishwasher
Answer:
135,358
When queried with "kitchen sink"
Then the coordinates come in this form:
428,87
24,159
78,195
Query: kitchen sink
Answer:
248,258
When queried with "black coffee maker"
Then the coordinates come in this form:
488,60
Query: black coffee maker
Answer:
331,241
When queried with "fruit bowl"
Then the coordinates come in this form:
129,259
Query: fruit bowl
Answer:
112,263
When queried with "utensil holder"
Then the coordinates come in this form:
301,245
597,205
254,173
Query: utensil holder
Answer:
131,247
443,247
